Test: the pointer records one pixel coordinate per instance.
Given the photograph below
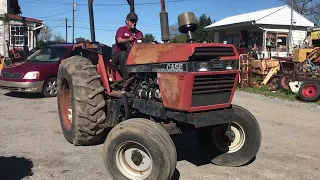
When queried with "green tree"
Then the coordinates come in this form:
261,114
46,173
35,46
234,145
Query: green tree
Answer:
149,38
182,38
201,34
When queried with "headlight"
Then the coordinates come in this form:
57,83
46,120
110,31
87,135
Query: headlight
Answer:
32,75
203,67
229,65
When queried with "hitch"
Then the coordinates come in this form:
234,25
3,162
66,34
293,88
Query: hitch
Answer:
230,134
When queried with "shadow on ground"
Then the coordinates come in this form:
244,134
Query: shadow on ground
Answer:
24,95
189,150
15,168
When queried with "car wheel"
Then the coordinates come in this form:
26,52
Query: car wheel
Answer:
50,87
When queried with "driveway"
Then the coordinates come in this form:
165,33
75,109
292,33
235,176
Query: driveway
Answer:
32,144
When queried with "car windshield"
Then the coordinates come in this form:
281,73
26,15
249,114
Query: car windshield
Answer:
48,54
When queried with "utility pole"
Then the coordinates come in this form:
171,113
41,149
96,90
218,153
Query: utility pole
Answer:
73,21
66,30
290,48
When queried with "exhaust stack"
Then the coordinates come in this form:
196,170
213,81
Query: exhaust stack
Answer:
91,18
131,4
164,23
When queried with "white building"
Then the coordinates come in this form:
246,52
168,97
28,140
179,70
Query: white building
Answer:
255,30
12,30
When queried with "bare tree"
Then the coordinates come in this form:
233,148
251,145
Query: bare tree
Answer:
174,30
45,34
58,38
307,8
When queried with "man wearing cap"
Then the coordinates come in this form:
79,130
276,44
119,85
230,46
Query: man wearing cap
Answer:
125,37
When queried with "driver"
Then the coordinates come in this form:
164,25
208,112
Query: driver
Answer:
125,37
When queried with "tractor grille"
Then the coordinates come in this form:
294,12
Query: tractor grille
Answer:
201,53
212,89
11,75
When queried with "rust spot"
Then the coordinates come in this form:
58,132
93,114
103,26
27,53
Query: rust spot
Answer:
170,89
157,53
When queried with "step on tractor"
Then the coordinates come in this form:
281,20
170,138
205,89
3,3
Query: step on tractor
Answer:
173,88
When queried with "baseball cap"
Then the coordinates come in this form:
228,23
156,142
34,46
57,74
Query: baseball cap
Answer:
132,16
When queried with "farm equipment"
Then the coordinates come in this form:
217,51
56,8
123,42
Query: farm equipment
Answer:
173,88
304,77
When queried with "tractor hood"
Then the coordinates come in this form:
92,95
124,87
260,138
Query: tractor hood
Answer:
146,53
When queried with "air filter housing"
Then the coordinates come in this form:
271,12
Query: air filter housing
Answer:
187,24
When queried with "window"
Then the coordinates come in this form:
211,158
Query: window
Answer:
19,35
233,39
48,54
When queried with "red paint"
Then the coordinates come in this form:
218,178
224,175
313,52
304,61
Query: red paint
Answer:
176,93
46,69
309,91
107,73
170,52
103,74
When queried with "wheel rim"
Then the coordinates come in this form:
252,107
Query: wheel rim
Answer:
309,91
223,143
52,87
134,161
284,82
65,104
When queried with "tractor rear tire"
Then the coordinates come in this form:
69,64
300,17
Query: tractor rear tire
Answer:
309,91
81,102
243,149
139,149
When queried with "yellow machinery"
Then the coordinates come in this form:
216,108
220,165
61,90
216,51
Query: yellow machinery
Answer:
299,55
2,63
262,67
315,37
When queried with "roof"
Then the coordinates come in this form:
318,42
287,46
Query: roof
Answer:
274,16
26,18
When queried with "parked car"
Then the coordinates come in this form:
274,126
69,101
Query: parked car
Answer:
38,74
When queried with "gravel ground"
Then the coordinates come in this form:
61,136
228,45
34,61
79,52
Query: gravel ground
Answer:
33,145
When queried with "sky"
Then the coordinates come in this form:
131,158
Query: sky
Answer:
110,14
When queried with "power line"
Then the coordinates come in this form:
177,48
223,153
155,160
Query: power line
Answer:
23,5
102,29
101,4
55,14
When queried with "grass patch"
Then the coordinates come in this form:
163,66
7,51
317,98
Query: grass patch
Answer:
263,90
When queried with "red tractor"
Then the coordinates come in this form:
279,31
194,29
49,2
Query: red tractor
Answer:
173,88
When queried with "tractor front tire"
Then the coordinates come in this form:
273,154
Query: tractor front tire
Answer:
81,102
139,149
234,152
309,91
